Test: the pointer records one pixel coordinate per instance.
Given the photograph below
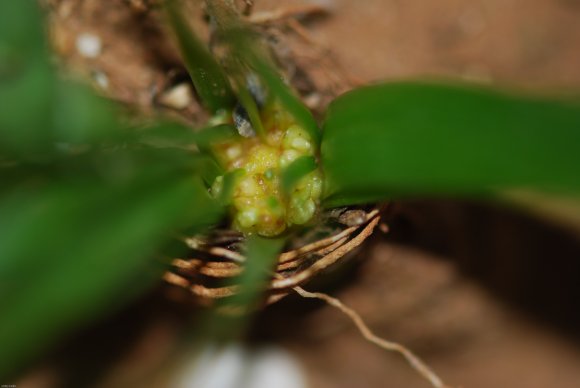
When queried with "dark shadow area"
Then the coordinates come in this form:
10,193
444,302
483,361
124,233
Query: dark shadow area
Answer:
88,355
526,262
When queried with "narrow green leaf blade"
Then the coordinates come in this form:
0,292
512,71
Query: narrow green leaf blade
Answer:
416,139
296,171
207,75
261,258
245,46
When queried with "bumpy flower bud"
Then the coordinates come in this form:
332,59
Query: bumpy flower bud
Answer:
259,205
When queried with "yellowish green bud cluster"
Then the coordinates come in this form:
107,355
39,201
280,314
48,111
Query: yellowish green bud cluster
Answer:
259,204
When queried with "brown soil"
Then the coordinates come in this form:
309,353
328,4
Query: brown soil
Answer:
488,297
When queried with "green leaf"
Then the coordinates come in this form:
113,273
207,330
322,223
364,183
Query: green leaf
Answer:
245,47
38,111
21,31
73,249
417,139
79,116
26,81
175,135
85,205
261,258
209,80
296,171
229,186
262,254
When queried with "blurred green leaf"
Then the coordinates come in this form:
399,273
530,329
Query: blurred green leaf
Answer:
261,257
38,111
292,174
85,204
26,81
79,116
210,81
26,111
20,28
175,135
229,319
415,139
71,249
229,185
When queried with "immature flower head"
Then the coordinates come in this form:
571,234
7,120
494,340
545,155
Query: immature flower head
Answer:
259,204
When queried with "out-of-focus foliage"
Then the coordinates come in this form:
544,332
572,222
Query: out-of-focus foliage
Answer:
424,139
261,258
229,319
86,204
36,108
296,171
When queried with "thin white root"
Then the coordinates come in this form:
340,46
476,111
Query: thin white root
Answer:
415,362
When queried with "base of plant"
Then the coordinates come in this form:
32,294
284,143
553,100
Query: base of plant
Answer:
212,257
